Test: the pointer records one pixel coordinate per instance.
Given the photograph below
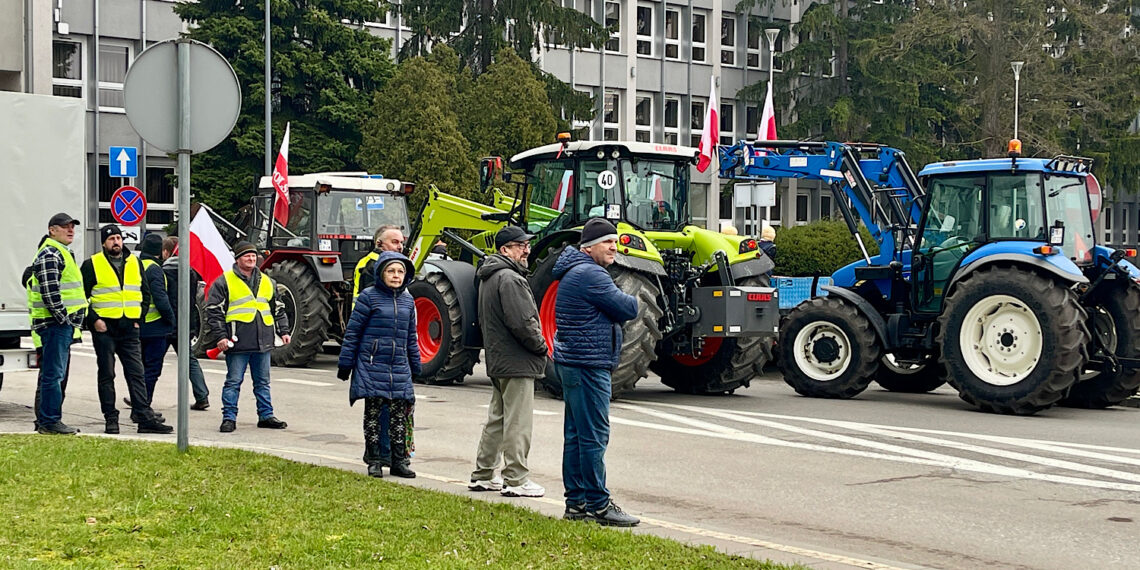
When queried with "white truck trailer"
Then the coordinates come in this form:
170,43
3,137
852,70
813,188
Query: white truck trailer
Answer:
43,158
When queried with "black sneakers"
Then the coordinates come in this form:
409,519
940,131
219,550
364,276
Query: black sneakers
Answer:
375,470
227,426
575,512
58,428
402,470
271,423
200,405
155,426
111,427
612,515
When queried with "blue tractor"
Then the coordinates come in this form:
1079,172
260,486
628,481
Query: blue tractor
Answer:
988,276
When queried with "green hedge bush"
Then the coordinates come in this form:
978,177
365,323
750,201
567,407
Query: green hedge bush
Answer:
820,247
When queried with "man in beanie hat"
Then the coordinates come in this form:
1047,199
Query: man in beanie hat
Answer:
244,314
160,319
516,356
119,297
588,314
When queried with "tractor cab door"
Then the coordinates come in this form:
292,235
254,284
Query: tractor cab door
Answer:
551,195
950,225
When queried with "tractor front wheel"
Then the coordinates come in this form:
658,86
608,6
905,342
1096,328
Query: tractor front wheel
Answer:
723,365
1013,341
827,349
439,330
1115,317
307,306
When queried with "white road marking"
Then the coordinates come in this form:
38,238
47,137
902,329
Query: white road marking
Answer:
301,382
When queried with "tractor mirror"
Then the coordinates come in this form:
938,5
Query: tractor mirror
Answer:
490,167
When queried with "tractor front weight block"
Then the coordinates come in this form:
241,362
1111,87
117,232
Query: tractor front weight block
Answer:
736,311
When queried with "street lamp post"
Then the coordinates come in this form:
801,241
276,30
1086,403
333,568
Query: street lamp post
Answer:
1016,65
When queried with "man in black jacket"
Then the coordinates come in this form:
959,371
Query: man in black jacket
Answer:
159,319
516,356
242,311
119,297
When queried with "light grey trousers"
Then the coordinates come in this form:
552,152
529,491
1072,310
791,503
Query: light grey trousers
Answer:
507,431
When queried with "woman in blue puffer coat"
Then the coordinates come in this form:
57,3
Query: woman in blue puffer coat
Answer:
380,354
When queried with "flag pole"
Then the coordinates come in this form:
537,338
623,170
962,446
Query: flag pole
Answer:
772,34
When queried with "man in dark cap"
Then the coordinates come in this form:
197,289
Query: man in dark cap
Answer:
588,314
57,306
119,297
243,312
159,321
516,356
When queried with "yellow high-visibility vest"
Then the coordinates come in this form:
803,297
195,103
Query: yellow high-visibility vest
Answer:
152,313
356,273
109,299
243,305
70,290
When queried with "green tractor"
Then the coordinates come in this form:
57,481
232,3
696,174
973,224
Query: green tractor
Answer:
707,316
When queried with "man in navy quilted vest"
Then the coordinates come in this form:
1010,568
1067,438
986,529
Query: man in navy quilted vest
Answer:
588,315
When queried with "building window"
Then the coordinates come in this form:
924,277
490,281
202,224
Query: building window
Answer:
610,116
728,40
645,27
673,34
613,22
113,63
774,211
825,207
801,208
1107,215
777,63
643,119
67,69
672,120
697,201
696,122
727,124
700,40
754,39
751,121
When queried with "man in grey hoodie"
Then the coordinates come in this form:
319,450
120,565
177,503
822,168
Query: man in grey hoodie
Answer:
516,356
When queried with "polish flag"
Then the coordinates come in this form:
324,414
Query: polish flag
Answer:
562,196
710,135
281,182
209,254
766,130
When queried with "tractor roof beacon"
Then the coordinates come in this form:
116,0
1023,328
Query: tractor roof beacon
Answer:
988,276
708,315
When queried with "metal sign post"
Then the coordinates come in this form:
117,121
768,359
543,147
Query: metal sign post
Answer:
175,115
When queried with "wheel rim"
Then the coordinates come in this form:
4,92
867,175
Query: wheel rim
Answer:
429,328
894,366
708,351
546,316
1001,340
822,351
290,303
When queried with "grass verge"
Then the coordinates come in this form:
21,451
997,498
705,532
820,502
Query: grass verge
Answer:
99,502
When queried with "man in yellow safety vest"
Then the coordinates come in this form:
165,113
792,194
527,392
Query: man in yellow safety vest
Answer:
119,297
57,306
243,312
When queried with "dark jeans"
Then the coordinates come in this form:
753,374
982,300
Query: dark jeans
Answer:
62,383
384,439
586,432
153,353
122,340
197,379
56,352
258,364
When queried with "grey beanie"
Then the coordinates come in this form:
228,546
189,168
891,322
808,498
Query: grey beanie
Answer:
596,231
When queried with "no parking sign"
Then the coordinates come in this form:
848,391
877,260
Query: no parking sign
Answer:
128,206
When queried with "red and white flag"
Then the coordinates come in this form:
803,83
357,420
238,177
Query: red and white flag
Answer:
562,196
766,131
209,254
710,135
281,182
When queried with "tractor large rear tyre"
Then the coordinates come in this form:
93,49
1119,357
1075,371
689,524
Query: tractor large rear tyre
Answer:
917,379
1013,341
1116,312
828,349
307,306
639,335
439,329
723,366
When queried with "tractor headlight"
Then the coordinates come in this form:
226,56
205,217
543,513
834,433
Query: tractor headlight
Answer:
627,241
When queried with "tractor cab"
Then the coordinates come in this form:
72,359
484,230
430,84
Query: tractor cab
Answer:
1025,206
329,212
643,184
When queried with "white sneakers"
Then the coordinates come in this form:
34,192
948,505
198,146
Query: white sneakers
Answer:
493,484
528,489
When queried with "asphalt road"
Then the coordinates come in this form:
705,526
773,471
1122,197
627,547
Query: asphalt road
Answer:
882,481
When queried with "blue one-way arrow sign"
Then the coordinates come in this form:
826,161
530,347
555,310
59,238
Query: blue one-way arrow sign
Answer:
124,161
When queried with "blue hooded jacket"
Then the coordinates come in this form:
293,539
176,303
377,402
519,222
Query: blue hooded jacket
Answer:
380,340
588,313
